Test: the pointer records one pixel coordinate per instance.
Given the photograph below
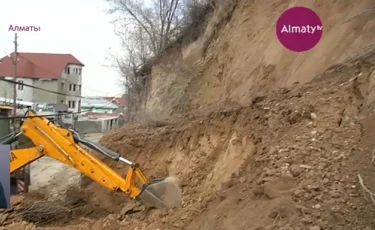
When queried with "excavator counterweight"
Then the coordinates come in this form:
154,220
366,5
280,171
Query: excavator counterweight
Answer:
64,145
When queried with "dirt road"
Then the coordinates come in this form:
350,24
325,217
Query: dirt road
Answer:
55,176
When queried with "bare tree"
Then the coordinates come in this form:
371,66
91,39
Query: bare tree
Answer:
135,55
146,28
159,20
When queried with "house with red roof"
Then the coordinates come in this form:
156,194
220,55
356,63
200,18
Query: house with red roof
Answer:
121,102
61,73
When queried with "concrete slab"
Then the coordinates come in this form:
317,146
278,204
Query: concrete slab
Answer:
55,176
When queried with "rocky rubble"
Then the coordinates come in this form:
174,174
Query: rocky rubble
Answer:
303,152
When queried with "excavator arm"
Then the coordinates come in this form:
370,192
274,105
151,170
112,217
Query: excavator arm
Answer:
65,146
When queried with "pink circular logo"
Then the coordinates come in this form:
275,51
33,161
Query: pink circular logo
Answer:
299,29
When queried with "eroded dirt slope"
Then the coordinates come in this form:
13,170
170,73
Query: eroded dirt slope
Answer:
289,161
239,57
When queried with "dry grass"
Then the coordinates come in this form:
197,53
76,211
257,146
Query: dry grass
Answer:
45,212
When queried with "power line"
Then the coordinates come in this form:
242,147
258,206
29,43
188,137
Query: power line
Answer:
34,116
47,115
46,90
48,71
15,82
38,88
20,55
56,114
54,92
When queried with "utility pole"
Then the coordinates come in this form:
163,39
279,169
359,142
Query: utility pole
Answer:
15,60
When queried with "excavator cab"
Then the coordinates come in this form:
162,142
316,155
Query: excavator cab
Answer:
65,145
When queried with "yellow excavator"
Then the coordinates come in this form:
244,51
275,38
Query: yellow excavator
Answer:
65,145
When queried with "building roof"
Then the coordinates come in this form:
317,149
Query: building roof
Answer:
119,101
37,65
97,102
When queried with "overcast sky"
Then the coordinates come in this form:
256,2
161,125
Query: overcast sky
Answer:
79,27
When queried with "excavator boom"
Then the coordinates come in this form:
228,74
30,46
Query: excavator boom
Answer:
64,145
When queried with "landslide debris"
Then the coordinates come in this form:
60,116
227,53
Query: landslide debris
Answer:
290,160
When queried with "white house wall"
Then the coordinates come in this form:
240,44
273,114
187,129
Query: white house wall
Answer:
25,93
6,88
72,78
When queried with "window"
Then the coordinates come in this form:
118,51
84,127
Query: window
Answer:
72,104
67,70
79,87
62,102
79,72
62,86
20,86
72,87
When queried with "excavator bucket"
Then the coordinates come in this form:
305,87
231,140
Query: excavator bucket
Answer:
161,193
